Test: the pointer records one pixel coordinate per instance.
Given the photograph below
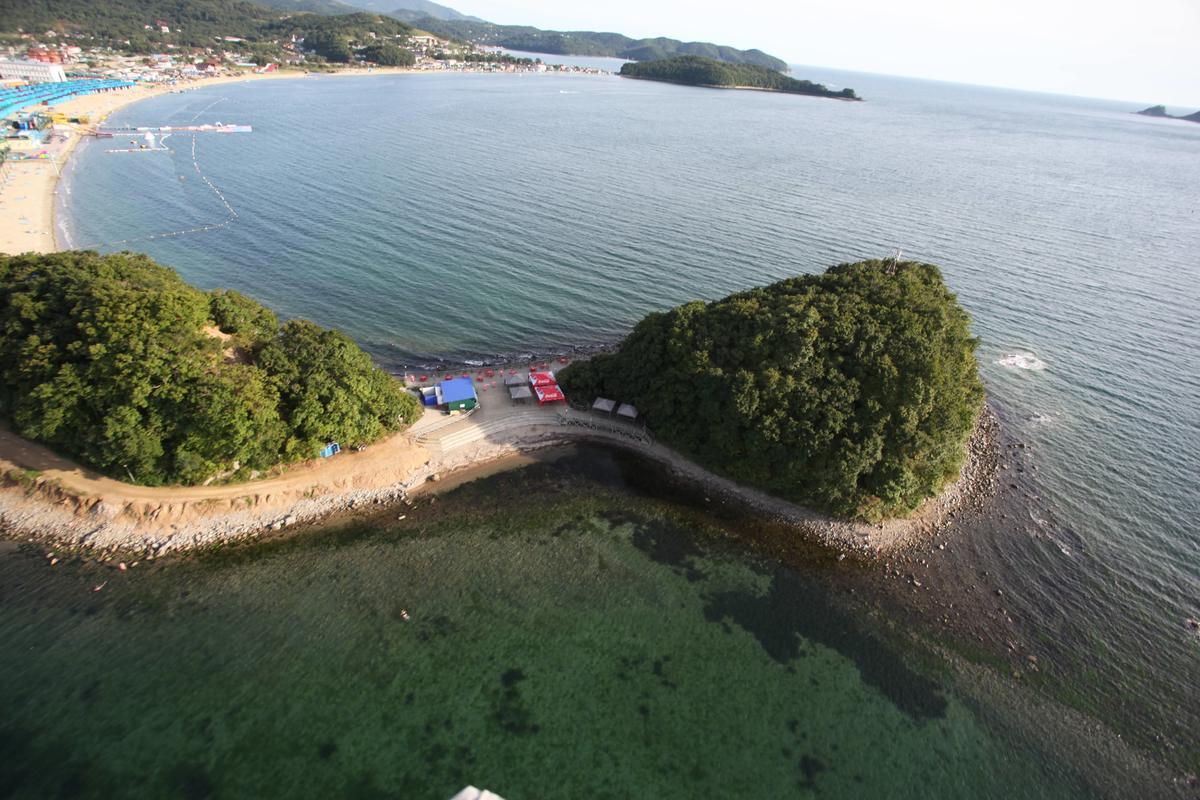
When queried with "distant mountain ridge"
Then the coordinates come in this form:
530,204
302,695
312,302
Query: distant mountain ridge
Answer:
403,10
412,10
589,43
326,7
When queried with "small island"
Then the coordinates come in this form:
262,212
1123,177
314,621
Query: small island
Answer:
708,72
1161,111
853,392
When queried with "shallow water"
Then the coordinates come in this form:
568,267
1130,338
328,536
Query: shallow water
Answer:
469,216
554,647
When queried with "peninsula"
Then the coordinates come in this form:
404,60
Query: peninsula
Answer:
845,405
708,72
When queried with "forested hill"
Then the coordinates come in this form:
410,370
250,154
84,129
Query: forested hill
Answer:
192,23
854,391
699,71
590,43
116,361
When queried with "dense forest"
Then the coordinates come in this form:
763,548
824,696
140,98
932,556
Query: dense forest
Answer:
115,360
192,23
589,43
699,71
852,392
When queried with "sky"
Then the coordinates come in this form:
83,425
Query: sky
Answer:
1135,50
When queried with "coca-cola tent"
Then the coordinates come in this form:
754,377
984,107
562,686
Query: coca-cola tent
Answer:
549,394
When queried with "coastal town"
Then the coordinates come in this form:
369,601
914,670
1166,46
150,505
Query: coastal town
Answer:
52,56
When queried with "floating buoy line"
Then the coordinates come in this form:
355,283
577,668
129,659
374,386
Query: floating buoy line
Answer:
232,213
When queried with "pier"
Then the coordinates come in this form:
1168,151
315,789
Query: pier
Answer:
128,130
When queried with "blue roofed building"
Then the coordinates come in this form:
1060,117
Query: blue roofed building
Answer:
457,394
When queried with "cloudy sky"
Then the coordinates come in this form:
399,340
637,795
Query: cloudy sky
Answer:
1138,50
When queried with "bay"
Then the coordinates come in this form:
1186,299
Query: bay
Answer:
455,217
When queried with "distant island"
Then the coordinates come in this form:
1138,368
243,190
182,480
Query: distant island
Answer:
700,71
1161,111
853,392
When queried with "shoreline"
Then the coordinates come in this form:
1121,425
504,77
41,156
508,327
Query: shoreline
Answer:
48,499
28,188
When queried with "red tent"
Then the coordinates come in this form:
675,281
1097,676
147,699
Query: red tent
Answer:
542,379
549,394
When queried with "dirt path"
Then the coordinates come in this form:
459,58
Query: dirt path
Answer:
394,455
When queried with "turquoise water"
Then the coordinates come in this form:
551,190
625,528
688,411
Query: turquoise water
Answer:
555,647
456,217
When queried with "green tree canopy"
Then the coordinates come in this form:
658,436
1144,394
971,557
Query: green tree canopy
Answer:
107,358
852,392
695,70
388,55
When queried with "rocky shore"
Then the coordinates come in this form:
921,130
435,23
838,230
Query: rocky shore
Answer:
41,510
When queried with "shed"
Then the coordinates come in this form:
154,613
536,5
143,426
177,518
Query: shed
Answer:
514,380
627,411
521,393
603,404
457,394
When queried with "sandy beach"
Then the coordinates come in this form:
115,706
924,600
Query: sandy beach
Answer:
27,188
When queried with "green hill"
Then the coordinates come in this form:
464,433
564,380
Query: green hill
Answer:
411,10
116,361
589,43
193,23
853,391
327,7
699,71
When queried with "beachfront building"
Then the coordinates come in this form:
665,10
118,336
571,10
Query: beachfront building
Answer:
31,71
457,394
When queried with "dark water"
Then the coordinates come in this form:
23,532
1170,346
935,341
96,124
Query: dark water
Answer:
592,638
468,216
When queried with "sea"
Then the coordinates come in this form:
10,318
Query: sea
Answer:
581,626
